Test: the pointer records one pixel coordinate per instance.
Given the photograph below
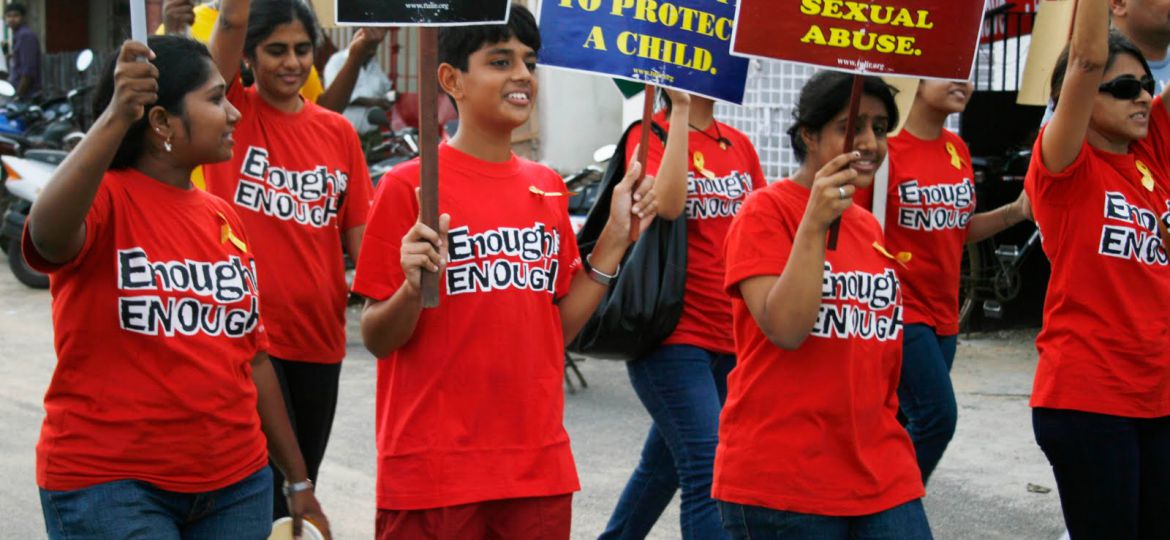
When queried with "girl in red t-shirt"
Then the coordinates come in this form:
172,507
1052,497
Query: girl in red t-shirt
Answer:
705,171
301,185
809,441
930,212
1098,182
163,399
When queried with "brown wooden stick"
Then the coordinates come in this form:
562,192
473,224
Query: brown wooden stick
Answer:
428,97
643,151
850,126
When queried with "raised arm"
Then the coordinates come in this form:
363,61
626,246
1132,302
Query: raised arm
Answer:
339,87
786,307
57,220
227,39
1088,54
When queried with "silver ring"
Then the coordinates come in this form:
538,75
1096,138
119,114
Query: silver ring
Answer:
841,191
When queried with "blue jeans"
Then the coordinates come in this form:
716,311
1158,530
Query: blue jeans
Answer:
925,393
1113,472
904,522
683,388
132,510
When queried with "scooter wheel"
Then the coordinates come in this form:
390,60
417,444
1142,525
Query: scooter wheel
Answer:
23,272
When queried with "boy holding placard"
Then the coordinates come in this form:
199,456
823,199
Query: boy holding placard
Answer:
470,433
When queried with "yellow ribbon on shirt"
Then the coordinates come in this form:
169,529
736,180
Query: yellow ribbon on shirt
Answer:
227,235
544,193
1147,176
956,161
902,258
699,162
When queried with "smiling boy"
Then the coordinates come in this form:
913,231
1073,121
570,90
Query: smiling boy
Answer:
471,442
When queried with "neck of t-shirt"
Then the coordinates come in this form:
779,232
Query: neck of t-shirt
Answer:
479,168
491,146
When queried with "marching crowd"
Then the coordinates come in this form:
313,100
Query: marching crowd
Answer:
803,393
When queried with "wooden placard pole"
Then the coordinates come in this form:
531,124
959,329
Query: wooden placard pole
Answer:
428,92
643,152
850,127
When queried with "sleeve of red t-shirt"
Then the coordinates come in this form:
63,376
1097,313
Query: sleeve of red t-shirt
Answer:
379,268
357,197
1051,188
758,242
654,151
95,225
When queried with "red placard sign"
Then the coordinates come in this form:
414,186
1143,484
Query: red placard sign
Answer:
919,38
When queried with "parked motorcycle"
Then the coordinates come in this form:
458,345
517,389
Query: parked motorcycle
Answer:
27,166
585,186
395,148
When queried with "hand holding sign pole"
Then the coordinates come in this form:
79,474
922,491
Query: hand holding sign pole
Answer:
643,152
850,129
919,38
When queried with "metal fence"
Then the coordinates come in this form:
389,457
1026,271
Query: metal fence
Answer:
1004,49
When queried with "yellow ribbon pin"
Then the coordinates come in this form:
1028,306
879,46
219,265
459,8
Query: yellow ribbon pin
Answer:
226,235
544,193
1147,176
699,162
902,258
956,161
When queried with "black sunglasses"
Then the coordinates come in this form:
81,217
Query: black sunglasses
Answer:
1128,86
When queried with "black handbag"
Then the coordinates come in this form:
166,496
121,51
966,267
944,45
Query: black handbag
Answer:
643,305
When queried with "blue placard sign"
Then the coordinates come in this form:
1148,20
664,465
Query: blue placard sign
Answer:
680,44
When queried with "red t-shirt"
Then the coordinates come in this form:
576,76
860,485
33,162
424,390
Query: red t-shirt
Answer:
156,322
1105,344
298,181
814,430
712,202
471,408
929,206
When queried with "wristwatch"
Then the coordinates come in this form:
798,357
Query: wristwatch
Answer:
598,275
296,487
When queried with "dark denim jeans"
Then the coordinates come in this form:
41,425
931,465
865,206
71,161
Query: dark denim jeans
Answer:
925,393
1113,473
683,388
134,510
904,522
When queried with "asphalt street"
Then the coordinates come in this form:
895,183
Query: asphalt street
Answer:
992,483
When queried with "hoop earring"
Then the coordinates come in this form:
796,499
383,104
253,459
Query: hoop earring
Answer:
167,144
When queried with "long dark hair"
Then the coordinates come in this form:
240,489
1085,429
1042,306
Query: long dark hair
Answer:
824,96
266,15
1118,44
183,65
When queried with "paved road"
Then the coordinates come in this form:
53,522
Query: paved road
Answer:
980,490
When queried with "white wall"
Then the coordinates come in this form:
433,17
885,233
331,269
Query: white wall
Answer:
578,114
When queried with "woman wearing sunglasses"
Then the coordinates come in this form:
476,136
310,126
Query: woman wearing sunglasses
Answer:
1098,186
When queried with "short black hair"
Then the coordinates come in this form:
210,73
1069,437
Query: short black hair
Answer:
458,43
824,96
17,7
1118,44
266,15
183,65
